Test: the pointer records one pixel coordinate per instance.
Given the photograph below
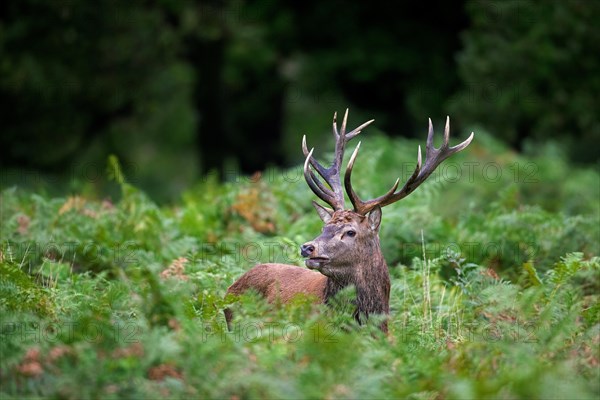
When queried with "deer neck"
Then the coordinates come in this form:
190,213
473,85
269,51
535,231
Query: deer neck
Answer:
371,279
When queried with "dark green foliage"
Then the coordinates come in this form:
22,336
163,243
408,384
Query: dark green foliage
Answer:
179,89
125,299
18,292
79,81
530,72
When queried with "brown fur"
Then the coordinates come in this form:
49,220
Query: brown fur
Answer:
284,281
352,261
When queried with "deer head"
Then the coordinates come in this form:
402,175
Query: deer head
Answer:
349,240
345,237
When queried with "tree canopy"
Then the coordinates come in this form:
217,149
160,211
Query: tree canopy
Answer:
179,89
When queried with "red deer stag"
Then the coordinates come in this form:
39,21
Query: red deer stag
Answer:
347,252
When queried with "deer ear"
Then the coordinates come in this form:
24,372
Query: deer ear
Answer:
375,218
324,212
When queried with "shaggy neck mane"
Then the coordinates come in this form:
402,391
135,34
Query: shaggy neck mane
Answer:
372,281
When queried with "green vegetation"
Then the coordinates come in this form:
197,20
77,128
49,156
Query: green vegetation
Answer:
495,287
178,89
112,281
516,65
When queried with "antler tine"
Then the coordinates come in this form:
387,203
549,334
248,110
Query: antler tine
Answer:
335,129
446,132
433,158
360,206
429,146
461,146
316,186
314,163
356,131
344,122
363,207
333,195
354,199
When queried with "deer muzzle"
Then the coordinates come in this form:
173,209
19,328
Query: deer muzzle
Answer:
316,262
307,250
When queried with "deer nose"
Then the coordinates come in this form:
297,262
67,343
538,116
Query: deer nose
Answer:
306,249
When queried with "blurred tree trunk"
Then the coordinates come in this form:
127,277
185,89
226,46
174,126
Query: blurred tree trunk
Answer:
238,92
207,58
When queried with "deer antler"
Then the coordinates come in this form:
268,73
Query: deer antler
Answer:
433,158
332,195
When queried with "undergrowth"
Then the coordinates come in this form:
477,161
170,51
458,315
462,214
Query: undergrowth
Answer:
495,287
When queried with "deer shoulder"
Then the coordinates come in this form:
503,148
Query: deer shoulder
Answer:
281,282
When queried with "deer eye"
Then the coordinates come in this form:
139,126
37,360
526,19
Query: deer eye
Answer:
350,233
